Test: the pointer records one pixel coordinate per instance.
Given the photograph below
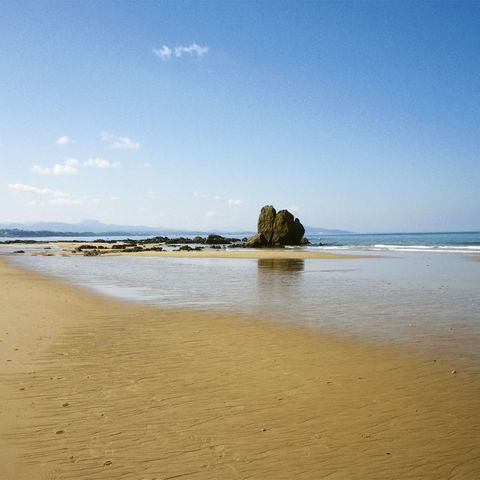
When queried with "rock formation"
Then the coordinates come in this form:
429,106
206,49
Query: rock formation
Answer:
266,220
276,229
287,230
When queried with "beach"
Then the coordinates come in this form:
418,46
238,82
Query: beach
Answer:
96,388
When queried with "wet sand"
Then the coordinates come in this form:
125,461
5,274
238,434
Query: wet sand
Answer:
98,389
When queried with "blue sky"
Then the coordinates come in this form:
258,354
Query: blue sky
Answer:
356,115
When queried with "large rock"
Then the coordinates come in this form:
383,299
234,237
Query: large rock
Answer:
276,229
266,221
287,230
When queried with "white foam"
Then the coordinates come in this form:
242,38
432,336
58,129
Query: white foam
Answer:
465,249
429,248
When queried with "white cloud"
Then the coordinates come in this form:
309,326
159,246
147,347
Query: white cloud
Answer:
218,198
151,195
294,208
165,53
120,142
69,167
59,169
211,214
63,140
125,143
36,195
193,49
100,163
234,202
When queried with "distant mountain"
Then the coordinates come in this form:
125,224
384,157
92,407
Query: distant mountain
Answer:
89,228
94,227
324,231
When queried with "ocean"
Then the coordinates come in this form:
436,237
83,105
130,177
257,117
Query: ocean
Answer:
439,242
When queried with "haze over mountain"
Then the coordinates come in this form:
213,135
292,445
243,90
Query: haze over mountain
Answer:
87,225
94,226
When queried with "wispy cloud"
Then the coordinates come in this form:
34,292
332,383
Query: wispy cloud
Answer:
63,140
193,50
124,143
100,163
164,52
294,208
36,195
234,202
69,167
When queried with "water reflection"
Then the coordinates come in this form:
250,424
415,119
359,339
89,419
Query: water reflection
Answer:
282,264
279,283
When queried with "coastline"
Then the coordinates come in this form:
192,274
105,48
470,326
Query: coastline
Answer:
101,388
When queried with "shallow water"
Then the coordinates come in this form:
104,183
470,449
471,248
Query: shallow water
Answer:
427,299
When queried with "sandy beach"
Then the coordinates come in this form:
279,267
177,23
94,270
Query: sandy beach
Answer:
93,388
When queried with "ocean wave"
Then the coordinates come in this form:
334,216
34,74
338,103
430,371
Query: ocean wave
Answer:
429,248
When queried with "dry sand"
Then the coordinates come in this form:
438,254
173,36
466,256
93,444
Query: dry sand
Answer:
97,389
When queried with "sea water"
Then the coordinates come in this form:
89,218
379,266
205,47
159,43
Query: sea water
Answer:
414,298
448,242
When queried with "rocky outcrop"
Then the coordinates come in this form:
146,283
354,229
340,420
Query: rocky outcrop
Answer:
266,221
276,229
216,240
287,230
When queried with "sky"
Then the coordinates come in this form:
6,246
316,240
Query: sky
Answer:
363,116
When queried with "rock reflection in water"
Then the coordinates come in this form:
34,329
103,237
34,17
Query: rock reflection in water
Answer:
282,264
279,285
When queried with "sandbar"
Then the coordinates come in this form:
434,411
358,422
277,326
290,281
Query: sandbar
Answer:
285,253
